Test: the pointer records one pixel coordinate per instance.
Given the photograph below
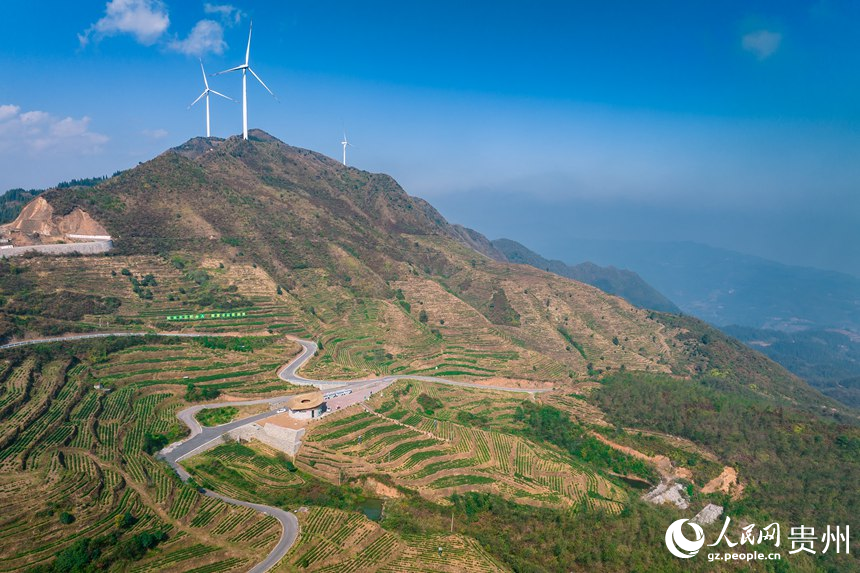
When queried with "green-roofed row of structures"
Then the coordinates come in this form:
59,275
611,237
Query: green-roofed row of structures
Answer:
205,316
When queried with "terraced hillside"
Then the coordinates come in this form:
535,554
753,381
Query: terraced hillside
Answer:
333,539
442,451
75,463
237,365
54,295
421,329
432,450
306,245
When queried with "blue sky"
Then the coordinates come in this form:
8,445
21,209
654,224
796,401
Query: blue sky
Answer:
730,123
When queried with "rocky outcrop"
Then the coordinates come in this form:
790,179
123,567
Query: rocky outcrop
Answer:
668,492
709,514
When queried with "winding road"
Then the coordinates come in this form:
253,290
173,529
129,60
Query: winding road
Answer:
289,373
202,438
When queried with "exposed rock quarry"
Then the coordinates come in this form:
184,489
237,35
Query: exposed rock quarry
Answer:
37,225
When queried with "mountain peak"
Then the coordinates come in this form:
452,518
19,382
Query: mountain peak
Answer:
266,146
197,146
260,135
284,204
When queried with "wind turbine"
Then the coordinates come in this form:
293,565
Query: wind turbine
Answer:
205,94
245,69
345,142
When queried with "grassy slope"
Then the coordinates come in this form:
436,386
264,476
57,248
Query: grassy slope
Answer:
217,416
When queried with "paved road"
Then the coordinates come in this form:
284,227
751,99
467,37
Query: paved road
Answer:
288,520
289,373
201,438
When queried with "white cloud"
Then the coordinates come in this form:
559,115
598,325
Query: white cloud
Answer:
34,117
230,15
207,36
7,111
155,133
41,133
146,20
762,43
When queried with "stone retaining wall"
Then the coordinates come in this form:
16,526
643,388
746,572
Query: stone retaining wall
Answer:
286,440
91,248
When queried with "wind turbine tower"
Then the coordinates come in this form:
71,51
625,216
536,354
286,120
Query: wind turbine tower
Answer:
245,69
345,142
205,94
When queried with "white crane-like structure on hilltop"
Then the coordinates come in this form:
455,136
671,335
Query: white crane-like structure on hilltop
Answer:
205,94
246,67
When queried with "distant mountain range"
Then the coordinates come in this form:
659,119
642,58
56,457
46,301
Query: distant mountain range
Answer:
729,288
620,282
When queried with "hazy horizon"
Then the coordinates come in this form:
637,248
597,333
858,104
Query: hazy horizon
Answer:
537,125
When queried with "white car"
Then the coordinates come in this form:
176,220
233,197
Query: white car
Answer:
281,411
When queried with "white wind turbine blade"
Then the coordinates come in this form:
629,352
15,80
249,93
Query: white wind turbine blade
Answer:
230,70
205,81
248,50
262,83
222,95
206,91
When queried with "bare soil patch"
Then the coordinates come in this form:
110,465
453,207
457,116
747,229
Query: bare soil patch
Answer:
726,482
